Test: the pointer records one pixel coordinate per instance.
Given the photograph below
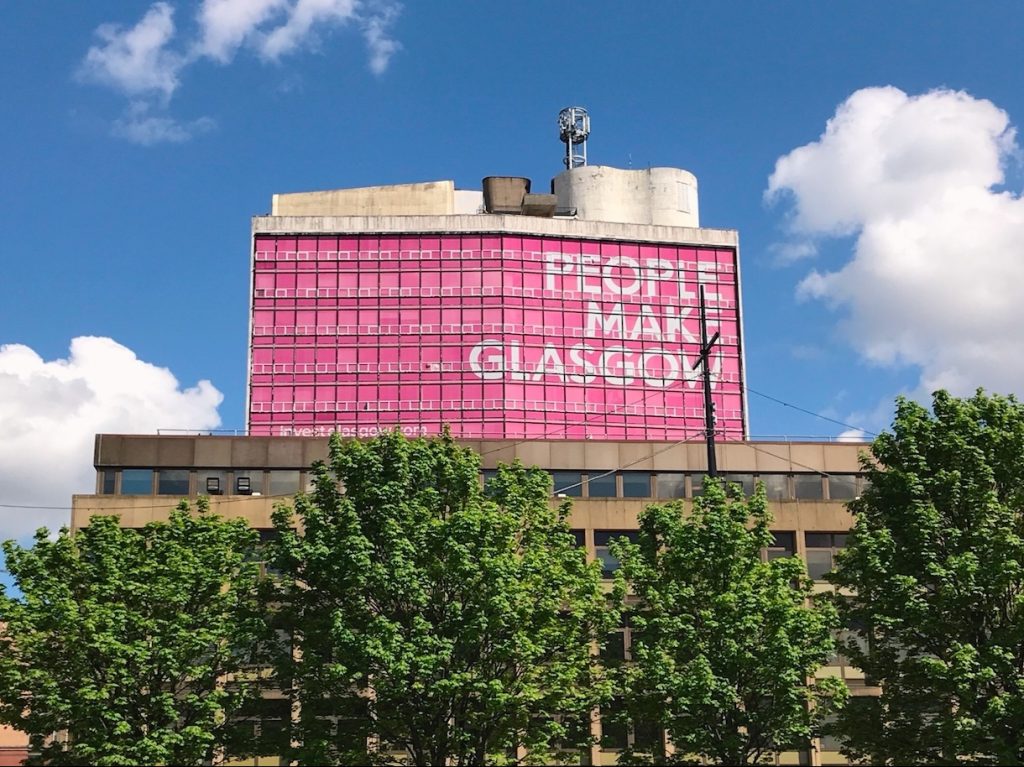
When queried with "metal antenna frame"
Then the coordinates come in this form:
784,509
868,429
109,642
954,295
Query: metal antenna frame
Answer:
573,129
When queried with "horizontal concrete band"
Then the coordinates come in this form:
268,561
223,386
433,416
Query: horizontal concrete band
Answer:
482,223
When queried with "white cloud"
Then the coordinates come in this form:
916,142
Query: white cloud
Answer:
143,63
380,45
795,250
52,409
226,24
302,17
852,435
934,277
140,127
137,60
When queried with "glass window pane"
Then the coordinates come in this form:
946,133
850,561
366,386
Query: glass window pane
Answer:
172,482
783,545
614,730
212,482
615,647
646,735
746,481
808,487
248,482
818,540
284,482
776,486
488,475
839,540
580,537
636,484
601,484
136,482
696,485
819,562
567,483
671,485
604,537
609,563
842,487
109,475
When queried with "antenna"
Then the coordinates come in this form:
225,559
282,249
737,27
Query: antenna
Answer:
573,129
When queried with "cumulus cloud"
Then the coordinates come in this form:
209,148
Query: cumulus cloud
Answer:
51,410
140,127
226,24
136,60
933,279
145,61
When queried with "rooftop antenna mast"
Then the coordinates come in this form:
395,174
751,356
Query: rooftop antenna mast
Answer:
574,128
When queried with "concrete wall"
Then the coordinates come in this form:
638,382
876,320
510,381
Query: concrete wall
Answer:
660,196
493,223
432,198
153,451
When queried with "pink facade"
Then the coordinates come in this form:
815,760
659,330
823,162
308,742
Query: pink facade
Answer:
497,336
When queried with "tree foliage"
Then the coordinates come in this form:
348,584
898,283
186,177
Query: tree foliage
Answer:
431,619
723,642
935,568
121,639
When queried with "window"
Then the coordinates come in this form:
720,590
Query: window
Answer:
285,482
614,650
248,482
745,481
601,484
842,487
636,484
619,730
776,486
696,485
109,475
646,735
602,538
172,482
568,483
580,538
614,727
212,482
488,475
671,485
783,545
808,487
821,549
830,741
136,482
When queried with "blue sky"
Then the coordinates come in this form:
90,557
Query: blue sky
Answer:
147,243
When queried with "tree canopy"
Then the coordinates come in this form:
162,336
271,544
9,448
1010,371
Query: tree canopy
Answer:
121,640
723,641
431,619
934,573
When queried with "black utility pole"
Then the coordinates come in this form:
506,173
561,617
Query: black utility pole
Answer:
709,406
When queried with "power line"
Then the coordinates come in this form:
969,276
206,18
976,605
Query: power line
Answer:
811,412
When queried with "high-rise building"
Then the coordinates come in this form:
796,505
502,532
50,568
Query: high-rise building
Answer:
559,328
525,318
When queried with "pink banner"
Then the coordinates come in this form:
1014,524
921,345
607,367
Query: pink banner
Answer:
499,337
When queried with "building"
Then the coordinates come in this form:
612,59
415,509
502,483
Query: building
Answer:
561,329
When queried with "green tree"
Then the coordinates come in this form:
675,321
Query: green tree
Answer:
121,639
723,641
935,572
446,624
